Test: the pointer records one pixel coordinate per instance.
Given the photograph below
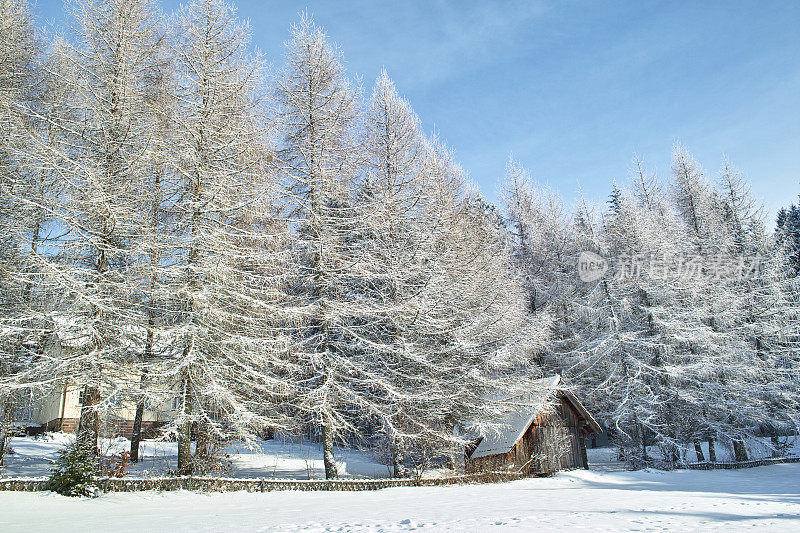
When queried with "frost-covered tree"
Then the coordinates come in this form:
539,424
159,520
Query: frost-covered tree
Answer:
21,216
320,159
391,195
543,244
614,355
96,130
442,306
761,307
158,227
224,269
788,233
472,327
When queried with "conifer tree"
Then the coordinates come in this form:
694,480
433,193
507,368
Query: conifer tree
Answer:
320,159
22,191
788,233
224,273
97,131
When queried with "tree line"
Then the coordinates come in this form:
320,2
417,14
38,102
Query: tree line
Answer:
274,254
692,335
285,252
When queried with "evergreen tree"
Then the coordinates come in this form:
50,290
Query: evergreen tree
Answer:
788,233
228,244
94,148
22,193
320,159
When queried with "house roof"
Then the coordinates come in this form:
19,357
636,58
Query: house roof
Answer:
73,332
588,418
519,420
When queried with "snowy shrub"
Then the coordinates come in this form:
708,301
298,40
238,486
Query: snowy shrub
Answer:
73,474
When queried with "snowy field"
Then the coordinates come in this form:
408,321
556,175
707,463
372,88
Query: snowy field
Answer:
756,499
287,458
607,498
278,458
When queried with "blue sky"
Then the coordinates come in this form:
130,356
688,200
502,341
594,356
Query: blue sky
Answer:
575,89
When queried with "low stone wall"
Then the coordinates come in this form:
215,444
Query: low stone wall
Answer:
707,465
206,484
23,484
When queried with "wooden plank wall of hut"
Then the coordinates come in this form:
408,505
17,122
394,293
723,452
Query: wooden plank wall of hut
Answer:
571,457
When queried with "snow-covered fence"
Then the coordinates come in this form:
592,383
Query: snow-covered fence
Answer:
209,484
706,465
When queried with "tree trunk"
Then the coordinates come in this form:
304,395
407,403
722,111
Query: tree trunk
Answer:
136,435
398,458
776,445
327,451
584,455
740,451
698,450
185,449
137,430
5,427
137,420
712,452
89,422
643,436
203,452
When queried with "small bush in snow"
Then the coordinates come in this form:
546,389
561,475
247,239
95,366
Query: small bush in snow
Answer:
73,474
116,465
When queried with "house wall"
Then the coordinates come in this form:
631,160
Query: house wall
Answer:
491,463
60,411
571,457
114,422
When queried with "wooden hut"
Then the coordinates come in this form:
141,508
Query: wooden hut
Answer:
543,434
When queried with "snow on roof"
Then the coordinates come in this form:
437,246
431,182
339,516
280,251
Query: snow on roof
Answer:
70,331
519,419
75,333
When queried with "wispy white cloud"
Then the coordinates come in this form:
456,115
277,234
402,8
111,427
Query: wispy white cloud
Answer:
425,44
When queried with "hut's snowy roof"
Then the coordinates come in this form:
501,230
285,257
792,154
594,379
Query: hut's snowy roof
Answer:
519,419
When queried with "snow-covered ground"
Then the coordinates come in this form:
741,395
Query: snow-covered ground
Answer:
761,499
287,458
278,458
608,497
607,458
